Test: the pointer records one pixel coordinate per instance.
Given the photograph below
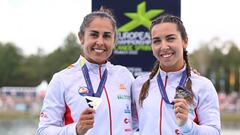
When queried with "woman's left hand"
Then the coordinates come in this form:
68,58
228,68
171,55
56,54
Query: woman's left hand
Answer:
181,111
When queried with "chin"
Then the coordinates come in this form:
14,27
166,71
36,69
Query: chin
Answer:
101,61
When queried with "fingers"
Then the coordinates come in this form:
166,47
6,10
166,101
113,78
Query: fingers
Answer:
87,114
180,106
181,102
86,121
181,110
88,110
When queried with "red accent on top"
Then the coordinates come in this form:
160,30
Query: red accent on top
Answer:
196,118
177,131
165,85
110,112
109,105
67,116
161,117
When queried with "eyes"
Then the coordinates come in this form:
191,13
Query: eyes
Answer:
105,35
168,39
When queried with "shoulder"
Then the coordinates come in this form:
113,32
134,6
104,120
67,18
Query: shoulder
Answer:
141,79
117,68
137,85
202,86
201,80
68,72
120,71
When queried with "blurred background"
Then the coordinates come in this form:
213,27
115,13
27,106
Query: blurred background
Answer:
29,56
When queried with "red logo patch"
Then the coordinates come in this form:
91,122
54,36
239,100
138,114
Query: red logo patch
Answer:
126,121
177,131
83,90
43,115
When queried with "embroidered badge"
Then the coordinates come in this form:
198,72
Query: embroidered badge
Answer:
83,91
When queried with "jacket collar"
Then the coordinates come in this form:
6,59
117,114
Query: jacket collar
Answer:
172,74
92,67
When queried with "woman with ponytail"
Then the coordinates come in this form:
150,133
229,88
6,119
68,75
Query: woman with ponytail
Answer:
172,100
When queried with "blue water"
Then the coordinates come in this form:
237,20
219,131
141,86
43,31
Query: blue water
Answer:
29,127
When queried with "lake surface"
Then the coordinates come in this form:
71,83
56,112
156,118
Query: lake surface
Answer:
29,127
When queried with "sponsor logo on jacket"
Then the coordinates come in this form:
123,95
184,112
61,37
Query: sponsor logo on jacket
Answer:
126,120
43,115
123,97
127,109
122,86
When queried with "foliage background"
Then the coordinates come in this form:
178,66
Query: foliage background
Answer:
217,60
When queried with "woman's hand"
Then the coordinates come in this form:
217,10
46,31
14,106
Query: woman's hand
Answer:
85,121
181,111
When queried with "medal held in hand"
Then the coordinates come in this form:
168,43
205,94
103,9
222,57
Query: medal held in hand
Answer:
184,94
93,102
93,99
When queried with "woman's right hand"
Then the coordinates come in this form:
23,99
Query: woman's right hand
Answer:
181,108
85,121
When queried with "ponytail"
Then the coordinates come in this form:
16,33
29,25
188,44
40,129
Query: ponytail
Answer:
146,84
188,84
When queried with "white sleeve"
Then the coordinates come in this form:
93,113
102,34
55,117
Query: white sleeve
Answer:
134,97
52,113
208,113
134,116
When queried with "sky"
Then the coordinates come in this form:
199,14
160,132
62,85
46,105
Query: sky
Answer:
33,24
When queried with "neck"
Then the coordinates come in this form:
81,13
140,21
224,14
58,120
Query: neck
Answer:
172,69
96,62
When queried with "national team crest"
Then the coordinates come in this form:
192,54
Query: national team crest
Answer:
83,91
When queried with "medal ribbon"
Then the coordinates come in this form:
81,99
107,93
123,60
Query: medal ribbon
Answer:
89,82
163,90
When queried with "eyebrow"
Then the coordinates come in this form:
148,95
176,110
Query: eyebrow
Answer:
155,38
94,31
170,35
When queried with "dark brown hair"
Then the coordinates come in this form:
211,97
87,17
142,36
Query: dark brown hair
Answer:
103,13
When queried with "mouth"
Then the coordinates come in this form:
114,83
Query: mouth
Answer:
98,50
167,55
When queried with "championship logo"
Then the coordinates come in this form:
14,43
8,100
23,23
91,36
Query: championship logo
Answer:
133,34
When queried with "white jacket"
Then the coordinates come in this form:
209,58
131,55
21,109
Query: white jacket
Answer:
63,104
156,117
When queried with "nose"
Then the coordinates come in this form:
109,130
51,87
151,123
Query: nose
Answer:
100,40
164,44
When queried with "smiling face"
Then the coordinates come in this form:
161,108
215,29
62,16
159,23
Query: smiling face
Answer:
167,46
98,40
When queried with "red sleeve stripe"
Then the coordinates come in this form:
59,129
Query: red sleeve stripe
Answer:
67,116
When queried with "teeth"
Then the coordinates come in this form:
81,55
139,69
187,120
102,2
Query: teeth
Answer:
166,55
98,50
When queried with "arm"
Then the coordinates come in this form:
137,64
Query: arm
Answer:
134,117
207,112
52,113
135,121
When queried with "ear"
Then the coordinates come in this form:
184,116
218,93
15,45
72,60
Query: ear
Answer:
185,42
81,38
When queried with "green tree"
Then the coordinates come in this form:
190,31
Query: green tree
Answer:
63,56
217,62
10,61
32,70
